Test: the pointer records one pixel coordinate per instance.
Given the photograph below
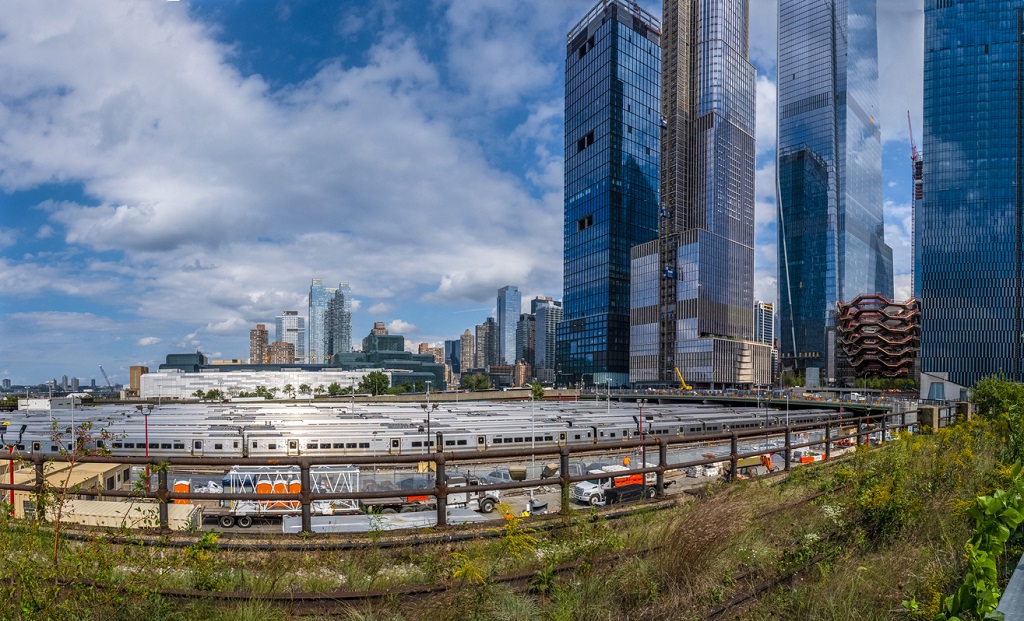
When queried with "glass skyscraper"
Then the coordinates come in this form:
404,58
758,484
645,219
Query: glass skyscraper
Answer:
830,224
319,296
290,328
510,305
693,287
338,321
612,142
967,236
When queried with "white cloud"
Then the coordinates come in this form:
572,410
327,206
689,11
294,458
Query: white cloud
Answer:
379,308
149,340
900,66
767,98
397,326
8,237
44,232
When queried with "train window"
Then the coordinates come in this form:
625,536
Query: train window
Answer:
519,439
153,445
21,447
612,434
110,482
396,443
462,443
561,437
339,445
198,445
254,444
272,447
116,445
129,445
364,445
99,443
417,444
449,442
53,448
481,440
165,445
218,447
350,445
35,446
577,436
548,438
313,445
235,443
179,447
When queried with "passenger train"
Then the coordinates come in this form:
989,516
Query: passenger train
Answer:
270,429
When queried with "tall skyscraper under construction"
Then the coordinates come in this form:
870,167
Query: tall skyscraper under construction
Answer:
612,137
692,289
830,225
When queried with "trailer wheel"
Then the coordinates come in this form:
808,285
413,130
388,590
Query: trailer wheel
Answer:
244,521
487,505
593,500
389,510
652,492
226,521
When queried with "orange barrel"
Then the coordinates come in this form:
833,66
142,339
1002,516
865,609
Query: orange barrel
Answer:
182,487
264,487
295,487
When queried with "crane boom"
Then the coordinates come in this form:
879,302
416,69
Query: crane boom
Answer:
109,385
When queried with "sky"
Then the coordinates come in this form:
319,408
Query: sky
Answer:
173,172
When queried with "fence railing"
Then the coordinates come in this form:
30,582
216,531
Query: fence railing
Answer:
866,426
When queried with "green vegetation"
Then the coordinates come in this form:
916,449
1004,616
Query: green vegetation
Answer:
925,528
476,381
375,383
537,390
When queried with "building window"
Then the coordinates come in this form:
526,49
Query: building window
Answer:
585,223
585,142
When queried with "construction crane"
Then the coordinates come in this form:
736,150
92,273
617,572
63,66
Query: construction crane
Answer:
682,382
109,385
917,190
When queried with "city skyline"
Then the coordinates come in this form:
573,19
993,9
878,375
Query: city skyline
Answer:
117,247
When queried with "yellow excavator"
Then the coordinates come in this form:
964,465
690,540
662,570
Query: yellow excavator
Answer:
682,383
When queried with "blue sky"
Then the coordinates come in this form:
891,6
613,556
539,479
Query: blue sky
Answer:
174,172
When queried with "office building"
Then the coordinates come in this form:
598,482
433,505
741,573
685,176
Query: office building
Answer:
338,321
319,296
467,351
7,384
487,343
526,334
968,223
64,383
259,345
510,306
548,316
764,322
830,226
692,288
74,384
378,340
612,142
453,355
290,328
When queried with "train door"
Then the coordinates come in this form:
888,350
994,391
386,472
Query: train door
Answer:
197,448
293,448
395,447
481,443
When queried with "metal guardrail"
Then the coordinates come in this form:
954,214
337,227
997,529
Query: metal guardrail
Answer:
879,424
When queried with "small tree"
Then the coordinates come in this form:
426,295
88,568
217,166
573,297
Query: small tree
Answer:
305,389
214,394
476,381
375,383
289,390
334,389
319,390
537,390
199,394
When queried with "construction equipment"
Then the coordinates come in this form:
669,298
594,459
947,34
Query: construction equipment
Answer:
109,385
682,383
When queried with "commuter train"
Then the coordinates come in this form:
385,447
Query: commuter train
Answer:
331,429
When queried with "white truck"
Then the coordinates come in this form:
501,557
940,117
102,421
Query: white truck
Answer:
594,492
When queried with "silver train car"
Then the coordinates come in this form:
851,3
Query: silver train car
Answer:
332,429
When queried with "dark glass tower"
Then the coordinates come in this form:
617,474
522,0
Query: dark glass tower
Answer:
967,238
831,235
693,287
510,306
612,142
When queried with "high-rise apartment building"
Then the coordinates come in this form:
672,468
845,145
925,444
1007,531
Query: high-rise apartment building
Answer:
526,334
467,351
510,306
968,224
830,225
764,322
549,314
281,352
75,383
487,343
290,328
259,344
319,297
135,374
338,324
692,288
453,355
612,142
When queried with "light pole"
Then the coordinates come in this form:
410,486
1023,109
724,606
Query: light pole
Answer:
352,393
640,422
533,434
609,384
428,409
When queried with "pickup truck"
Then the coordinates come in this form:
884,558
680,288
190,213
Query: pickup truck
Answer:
594,492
